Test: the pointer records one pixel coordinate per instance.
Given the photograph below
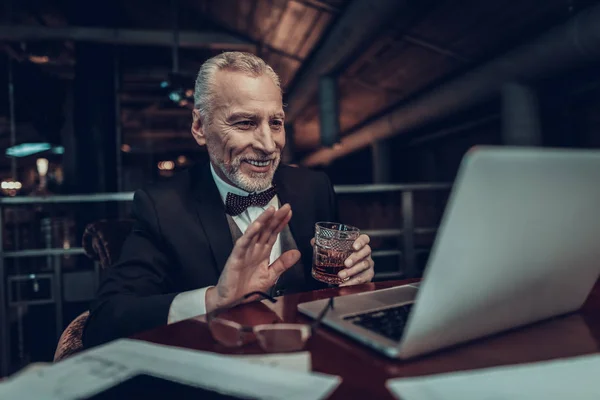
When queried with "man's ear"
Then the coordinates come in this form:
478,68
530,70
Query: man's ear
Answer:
198,128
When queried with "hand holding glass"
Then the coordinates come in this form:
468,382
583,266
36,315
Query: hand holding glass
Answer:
333,245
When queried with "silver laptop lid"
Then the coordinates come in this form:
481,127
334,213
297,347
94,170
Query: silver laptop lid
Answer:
519,242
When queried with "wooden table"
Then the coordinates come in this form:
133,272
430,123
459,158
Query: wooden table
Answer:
364,372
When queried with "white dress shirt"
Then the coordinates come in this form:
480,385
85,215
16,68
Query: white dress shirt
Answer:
192,303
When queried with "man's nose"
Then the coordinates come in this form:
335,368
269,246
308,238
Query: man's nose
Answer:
264,139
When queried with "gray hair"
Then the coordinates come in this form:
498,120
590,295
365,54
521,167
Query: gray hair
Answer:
233,61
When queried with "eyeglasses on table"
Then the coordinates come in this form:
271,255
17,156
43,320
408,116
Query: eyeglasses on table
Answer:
275,337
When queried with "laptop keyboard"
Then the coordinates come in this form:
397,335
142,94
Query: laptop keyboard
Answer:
389,322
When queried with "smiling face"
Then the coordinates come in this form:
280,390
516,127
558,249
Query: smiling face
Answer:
244,135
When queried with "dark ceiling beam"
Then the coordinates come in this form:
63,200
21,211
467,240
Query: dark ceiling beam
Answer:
309,31
141,98
156,74
154,110
148,77
319,5
261,43
159,145
164,148
573,44
454,130
360,22
251,15
272,28
12,53
214,40
155,134
371,86
25,133
435,48
281,53
169,112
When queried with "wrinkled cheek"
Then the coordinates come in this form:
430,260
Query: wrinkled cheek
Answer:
235,150
228,149
280,142
233,156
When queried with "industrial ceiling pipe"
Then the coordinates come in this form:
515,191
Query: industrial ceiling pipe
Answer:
569,45
360,22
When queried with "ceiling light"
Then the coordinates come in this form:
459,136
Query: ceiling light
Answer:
10,188
27,149
42,166
166,165
39,59
177,89
175,96
11,185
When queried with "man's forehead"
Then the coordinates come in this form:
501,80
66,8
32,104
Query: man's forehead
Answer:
252,112
238,92
235,83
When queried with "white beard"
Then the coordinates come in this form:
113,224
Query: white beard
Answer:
251,183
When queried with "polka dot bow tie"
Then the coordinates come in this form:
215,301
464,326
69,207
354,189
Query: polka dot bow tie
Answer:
235,204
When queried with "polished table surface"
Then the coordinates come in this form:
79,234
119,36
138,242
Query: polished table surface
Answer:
364,371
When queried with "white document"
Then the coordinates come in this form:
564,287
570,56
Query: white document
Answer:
571,378
100,368
300,361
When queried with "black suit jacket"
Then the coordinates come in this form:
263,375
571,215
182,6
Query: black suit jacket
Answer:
181,241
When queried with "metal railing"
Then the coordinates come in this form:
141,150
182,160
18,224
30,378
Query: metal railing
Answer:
406,233
52,256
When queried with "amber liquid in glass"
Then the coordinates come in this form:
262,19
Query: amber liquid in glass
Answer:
327,263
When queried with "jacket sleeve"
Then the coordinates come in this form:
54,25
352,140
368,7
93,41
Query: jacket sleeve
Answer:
135,293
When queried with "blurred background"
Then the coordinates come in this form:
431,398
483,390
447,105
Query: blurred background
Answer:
386,96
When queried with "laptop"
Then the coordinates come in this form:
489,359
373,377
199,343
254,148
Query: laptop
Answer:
519,242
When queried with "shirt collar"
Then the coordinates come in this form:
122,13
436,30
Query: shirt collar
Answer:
225,187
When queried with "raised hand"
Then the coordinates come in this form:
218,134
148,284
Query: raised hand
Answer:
248,268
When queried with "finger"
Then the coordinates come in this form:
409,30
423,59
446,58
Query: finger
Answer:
284,262
360,255
264,219
286,215
361,266
361,242
363,277
312,242
279,228
274,222
248,239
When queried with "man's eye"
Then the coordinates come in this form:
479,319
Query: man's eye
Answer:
244,124
277,124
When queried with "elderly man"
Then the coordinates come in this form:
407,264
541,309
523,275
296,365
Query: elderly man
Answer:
180,259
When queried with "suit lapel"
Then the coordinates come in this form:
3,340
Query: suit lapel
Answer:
290,193
211,213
